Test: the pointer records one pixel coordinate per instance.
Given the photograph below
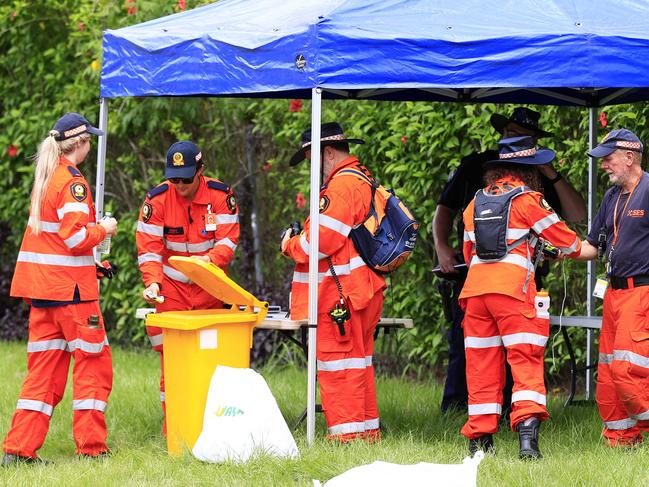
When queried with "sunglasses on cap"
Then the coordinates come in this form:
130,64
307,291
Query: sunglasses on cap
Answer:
185,180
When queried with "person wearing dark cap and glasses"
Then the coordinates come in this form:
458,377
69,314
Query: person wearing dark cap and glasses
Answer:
456,195
620,234
347,286
189,215
502,224
55,273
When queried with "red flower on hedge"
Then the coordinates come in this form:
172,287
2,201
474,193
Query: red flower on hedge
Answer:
295,106
299,200
81,26
181,5
267,167
12,150
404,139
602,119
131,8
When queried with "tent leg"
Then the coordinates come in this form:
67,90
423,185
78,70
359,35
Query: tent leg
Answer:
101,157
314,204
592,264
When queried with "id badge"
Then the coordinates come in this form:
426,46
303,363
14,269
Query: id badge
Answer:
600,288
210,222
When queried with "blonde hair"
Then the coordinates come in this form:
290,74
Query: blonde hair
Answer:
47,159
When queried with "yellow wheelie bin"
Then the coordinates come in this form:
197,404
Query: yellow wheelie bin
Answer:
196,341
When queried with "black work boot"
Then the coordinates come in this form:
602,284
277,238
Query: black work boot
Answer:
484,443
528,438
10,459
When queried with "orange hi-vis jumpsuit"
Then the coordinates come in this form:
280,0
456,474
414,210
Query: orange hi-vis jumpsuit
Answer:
344,363
170,225
499,314
55,273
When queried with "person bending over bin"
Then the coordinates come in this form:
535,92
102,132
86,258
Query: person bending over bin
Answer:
188,215
505,225
456,195
56,275
344,349
620,234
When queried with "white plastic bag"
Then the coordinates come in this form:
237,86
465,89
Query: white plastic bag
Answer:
242,419
380,474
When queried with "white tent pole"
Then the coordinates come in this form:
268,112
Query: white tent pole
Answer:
101,157
314,206
592,264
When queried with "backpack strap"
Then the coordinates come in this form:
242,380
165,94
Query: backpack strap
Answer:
373,184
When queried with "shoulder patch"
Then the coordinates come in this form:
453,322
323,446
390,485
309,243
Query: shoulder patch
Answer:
218,185
158,190
79,191
231,201
324,203
147,212
545,205
74,171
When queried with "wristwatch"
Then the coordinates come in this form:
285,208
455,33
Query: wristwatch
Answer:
556,179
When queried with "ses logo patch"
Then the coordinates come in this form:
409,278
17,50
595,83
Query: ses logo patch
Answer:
230,411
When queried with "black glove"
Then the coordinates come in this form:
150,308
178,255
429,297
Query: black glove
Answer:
106,269
296,229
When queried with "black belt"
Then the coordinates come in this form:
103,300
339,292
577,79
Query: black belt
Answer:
629,282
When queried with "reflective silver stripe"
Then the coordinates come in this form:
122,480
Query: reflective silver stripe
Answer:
227,242
155,230
76,239
341,270
516,233
51,227
342,429
194,248
620,424
172,273
469,236
372,424
605,358
72,207
335,225
84,404
545,223
305,247
571,249
79,344
148,257
31,405
53,259
156,340
45,345
162,396
486,408
524,338
515,259
537,397
482,342
633,358
368,360
641,416
342,364
223,219
176,246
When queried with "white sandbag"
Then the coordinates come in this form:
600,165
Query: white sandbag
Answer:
242,419
380,474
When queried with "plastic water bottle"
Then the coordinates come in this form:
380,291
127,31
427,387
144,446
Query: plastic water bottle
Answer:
542,304
104,245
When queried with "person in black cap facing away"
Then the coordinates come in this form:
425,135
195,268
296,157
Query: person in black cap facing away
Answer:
503,223
189,215
55,273
349,290
456,195
620,234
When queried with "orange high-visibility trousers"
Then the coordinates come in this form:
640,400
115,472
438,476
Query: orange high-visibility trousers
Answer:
491,322
623,370
346,373
55,335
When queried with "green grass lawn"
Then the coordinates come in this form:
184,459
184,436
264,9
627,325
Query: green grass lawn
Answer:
415,431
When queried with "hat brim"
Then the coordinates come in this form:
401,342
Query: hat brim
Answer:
300,155
601,151
499,122
542,156
180,172
94,130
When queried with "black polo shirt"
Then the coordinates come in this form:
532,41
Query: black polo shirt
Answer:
631,251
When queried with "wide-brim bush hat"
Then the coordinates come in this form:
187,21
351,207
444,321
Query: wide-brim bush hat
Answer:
330,133
524,117
521,150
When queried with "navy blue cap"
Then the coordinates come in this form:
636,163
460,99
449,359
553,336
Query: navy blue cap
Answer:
183,158
72,124
617,139
521,150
